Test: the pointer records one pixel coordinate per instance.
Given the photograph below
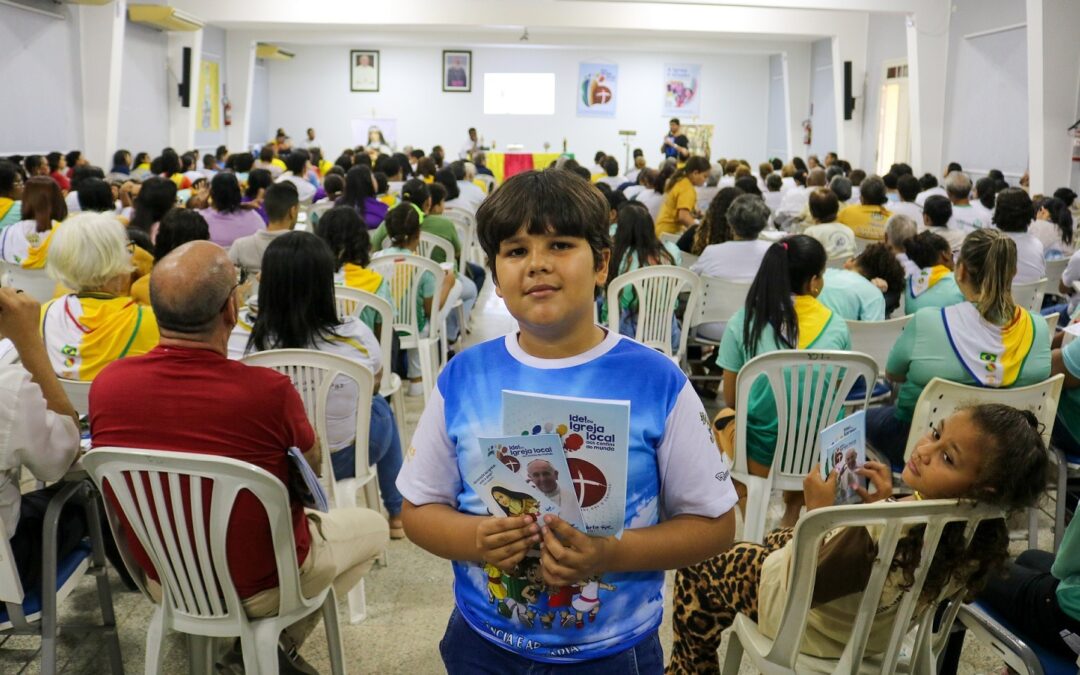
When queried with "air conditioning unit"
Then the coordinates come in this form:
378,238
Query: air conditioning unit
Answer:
272,52
163,18
88,2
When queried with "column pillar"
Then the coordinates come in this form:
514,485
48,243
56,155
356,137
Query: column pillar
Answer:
240,48
928,52
101,48
1053,77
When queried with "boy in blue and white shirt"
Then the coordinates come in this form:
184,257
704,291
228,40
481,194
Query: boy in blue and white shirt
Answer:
529,591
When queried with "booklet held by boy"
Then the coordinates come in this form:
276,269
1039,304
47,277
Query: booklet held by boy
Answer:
594,436
843,449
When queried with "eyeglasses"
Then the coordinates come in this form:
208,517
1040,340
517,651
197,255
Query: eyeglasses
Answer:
228,297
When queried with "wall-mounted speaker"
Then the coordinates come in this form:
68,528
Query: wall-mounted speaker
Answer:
185,79
849,100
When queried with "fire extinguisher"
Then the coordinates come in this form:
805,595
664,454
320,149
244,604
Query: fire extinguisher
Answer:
226,107
808,131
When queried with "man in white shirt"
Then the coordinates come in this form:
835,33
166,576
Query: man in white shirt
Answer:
471,146
40,431
739,259
471,194
772,194
611,171
298,162
795,199
930,185
965,216
309,142
907,189
282,207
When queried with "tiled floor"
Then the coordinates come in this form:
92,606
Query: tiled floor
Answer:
409,602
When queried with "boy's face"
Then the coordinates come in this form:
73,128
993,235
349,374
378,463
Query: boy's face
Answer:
547,280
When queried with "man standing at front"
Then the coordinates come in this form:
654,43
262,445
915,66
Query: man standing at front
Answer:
186,396
676,144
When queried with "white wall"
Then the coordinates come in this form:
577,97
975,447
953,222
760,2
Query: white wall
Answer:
260,107
887,41
776,135
42,104
822,100
144,92
313,90
986,106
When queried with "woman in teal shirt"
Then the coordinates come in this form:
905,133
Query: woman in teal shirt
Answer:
935,285
986,341
781,312
852,292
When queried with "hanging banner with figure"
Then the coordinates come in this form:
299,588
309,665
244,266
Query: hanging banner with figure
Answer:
681,89
597,89
209,115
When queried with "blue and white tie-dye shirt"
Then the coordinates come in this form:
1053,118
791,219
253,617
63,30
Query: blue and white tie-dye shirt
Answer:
674,468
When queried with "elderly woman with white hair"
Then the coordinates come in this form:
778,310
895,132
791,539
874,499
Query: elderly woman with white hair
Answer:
98,322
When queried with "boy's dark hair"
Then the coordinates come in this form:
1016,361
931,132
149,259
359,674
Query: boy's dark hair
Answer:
543,202
857,176
938,209
611,166
178,227
279,199
1013,211
95,195
296,161
908,187
927,181
345,232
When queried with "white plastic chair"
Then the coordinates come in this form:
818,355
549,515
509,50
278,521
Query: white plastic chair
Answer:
1052,322
404,272
429,243
1055,268
688,260
837,263
78,392
670,238
465,224
488,181
313,374
353,302
34,611
657,288
316,211
810,388
876,338
916,655
35,283
941,398
705,196
719,300
198,596
1030,295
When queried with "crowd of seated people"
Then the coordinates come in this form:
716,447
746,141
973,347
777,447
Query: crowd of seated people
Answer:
155,261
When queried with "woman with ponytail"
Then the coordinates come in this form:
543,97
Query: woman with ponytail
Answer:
781,312
986,341
934,285
680,196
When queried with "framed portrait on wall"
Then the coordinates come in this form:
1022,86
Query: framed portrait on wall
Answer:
364,70
456,70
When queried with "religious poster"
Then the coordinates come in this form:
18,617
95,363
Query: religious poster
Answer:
375,133
209,110
364,70
682,95
597,89
457,71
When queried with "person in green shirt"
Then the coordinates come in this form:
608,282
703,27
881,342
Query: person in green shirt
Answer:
781,312
986,341
858,292
935,285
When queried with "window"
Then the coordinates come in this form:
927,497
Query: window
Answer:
519,93
894,118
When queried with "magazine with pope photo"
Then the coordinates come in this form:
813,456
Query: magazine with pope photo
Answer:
540,461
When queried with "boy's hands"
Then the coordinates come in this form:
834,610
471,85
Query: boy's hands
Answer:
569,556
880,476
819,493
503,542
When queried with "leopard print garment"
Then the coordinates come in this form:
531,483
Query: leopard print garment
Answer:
707,598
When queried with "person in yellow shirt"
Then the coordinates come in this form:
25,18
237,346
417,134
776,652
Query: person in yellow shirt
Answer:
868,218
680,196
99,322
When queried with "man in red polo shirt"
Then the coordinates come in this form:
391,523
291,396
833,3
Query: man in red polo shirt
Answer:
186,396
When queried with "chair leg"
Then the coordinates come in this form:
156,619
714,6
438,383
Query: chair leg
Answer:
201,654
757,509
104,592
1033,527
264,647
397,402
357,601
155,636
333,632
733,657
428,354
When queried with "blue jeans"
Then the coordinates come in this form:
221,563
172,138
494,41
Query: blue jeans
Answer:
886,434
384,451
465,652
1061,438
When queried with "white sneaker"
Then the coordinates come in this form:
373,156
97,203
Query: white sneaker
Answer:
415,389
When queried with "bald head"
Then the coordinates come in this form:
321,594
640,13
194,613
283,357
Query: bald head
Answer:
190,288
816,177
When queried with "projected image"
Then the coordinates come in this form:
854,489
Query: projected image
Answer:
519,93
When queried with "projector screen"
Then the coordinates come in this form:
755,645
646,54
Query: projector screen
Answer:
519,93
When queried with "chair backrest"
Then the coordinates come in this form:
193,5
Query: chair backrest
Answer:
456,213
1030,295
893,520
941,398
1054,269
705,196
688,260
488,181
720,299
78,392
876,338
314,375
353,302
810,388
1067,336
404,272
185,542
429,243
35,283
317,211
837,263
1052,323
670,238
657,288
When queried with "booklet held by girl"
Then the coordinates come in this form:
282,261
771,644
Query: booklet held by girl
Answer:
843,449
594,436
